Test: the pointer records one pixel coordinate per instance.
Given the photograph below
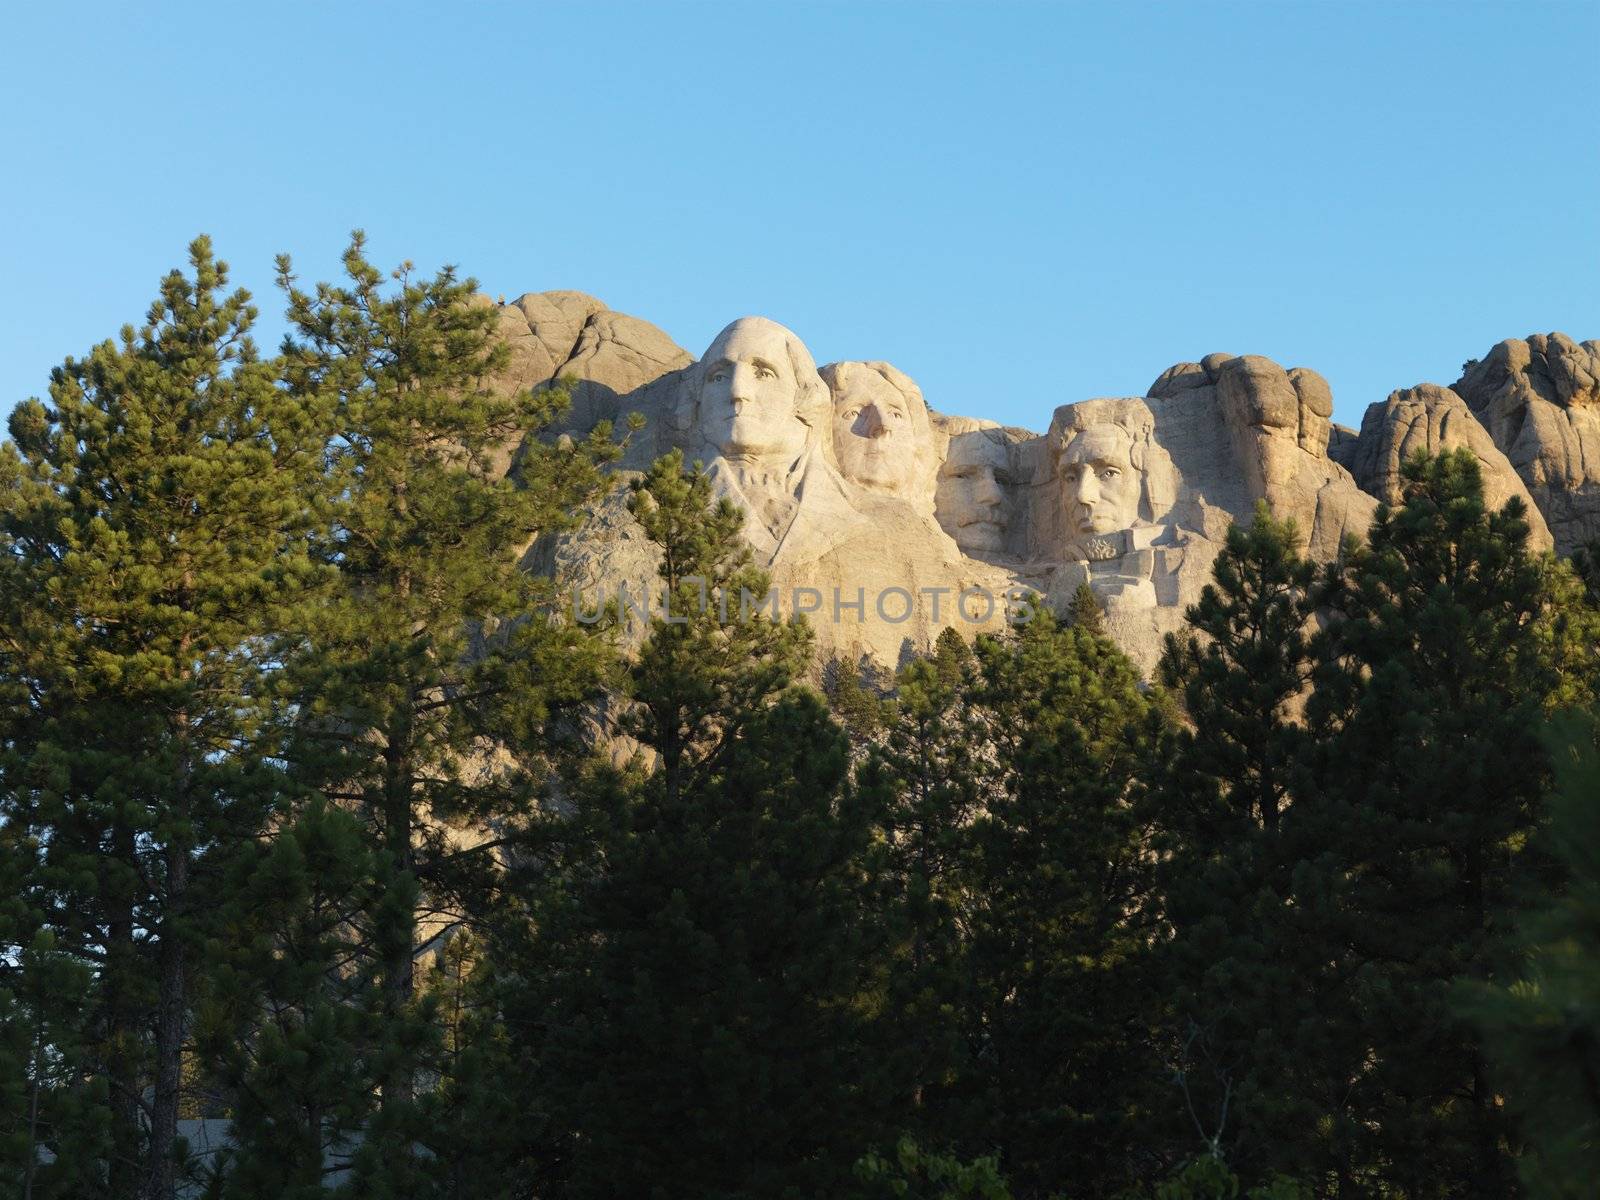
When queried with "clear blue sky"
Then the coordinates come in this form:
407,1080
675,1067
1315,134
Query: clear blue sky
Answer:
1019,204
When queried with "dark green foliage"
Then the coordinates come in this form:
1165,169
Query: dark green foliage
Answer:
53,1133
1586,562
1568,633
1429,776
916,1174
859,709
1085,611
688,1000
1542,1031
435,648
475,1122
153,539
1243,979
1059,1023
925,778
1208,1178
287,1030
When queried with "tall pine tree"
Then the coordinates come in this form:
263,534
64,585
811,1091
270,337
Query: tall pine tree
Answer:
1247,1023
436,666
688,1002
153,535
926,778
1542,1023
1059,1026
1428,781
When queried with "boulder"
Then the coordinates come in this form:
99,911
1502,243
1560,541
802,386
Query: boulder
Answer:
1540,401
1277,424
1431,419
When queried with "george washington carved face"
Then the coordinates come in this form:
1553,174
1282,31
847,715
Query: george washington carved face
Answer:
749,393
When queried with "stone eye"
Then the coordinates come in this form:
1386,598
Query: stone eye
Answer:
766,373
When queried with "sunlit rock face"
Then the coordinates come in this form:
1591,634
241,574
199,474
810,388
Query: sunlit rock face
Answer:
1277,425
886,521
1429,419
1540,401
975,489
882,436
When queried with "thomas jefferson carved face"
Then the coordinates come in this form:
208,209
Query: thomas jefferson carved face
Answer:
1100,487
881,434
749,395
971,504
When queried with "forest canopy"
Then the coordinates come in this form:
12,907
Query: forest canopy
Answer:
335,861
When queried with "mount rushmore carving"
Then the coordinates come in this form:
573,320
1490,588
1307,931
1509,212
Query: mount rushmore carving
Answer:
886,521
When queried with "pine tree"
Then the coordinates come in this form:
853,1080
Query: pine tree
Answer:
53,1134
1060,1026
282,1022
688,1000
1240,967
925,778
152,537
1085,611
913,1173
951,656
1542,1028
1568,633
859,709
1586,562
437,652
1428,787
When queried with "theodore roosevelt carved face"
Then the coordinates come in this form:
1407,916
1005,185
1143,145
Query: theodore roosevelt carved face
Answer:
971,497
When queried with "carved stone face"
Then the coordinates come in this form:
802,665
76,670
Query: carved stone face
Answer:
970,501
1100,488
748,394
875,435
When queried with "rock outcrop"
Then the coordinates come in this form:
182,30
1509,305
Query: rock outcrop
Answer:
1540,401
1431,419
886,522
1278,425
615,364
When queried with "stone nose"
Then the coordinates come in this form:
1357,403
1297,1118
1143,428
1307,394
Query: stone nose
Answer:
872,423
740,384
986,491
1086,488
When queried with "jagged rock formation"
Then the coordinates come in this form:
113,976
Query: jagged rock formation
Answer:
1278,424
1341,444
1540,401
886,522
1431,419
604,355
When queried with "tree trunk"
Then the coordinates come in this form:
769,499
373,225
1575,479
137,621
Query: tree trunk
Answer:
399,962
33,1116
122,1030
169,1032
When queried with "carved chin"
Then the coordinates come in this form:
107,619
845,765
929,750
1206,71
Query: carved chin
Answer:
877,473
981,535
871,473
760,443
